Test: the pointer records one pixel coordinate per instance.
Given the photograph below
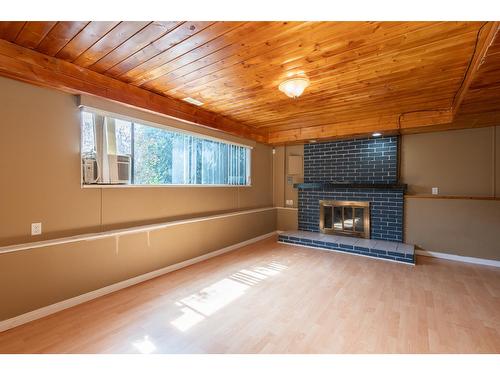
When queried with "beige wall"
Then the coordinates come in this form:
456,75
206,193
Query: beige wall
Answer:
459,162
40,179
283,191
455,226
463,163
287,218
35,278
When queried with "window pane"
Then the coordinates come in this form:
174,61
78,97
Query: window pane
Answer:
359,224
152,155
348,220
337,218
180,170
123,133
328,217
88,138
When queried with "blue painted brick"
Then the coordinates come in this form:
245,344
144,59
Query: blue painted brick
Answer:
347,247
360,248
378,252
351,157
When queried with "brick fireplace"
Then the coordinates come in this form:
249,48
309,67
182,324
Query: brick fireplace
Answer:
362,172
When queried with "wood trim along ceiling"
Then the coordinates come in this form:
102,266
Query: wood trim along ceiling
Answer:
390,77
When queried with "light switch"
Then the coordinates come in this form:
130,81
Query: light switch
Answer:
435,190
289,202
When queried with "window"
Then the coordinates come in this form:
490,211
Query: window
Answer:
88,137
158,156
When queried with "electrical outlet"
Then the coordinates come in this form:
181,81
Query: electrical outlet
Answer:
289,202
36,229
435,190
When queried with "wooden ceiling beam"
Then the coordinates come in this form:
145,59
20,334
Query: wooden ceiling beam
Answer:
388,124
423,118
484,42
460,121
30,66
339,130
357,114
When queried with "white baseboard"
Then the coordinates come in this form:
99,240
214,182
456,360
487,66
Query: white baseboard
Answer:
459,258
56,307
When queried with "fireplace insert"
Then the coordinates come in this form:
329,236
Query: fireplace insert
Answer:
345,217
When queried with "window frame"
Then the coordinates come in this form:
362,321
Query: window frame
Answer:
170,128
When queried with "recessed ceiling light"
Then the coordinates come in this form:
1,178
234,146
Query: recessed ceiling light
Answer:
193,101
377,134
312,141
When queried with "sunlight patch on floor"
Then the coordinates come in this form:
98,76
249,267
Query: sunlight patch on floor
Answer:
198,306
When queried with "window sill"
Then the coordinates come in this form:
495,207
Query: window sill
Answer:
118,186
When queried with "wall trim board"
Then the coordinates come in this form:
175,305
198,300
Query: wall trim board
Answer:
459,258
59,306
125,231
287,208
461,197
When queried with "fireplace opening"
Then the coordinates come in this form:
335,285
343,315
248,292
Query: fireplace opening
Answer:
345,218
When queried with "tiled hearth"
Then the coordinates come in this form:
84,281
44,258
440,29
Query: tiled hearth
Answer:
387,250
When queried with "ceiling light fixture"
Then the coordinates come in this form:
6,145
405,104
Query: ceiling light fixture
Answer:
377,134
294,87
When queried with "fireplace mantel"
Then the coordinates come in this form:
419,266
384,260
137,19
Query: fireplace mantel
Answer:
349,185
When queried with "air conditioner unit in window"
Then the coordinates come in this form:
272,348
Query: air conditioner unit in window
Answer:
119,169
90,169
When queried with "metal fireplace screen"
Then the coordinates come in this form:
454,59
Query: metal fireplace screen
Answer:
345,217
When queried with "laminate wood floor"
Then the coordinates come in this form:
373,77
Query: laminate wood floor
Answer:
274,298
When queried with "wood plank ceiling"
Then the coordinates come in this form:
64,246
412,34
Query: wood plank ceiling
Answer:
365,76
